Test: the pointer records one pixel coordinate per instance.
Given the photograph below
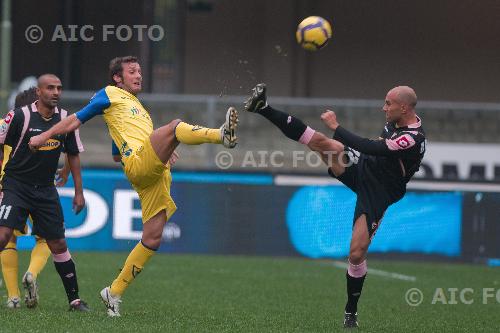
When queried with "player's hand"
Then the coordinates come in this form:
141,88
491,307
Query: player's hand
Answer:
37,141
330,119
78,202
61,177
173,158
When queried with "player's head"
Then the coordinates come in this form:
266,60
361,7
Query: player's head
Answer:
49,90
400,103
25,97
125,73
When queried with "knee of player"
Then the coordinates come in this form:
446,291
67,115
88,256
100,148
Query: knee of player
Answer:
320,142
5,236
357,255
57,246
152,242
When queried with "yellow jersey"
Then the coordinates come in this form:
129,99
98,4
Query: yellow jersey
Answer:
128,122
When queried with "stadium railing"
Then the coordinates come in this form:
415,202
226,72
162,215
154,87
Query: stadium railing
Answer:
454,122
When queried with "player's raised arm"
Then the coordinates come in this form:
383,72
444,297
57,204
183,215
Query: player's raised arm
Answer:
66,125
364,145
98,103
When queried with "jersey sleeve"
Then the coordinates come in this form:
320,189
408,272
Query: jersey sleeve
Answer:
114,149
398,146
73,145
11,127
98,103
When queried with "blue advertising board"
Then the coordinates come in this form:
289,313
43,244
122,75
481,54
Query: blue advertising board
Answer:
229,213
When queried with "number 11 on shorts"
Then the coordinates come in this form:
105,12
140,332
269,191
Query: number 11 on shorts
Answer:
5,209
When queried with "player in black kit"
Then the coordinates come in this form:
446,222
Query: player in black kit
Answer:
376,170
28,182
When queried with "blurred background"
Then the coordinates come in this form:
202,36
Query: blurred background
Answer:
200,56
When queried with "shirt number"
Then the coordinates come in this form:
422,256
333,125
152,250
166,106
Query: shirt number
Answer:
6,210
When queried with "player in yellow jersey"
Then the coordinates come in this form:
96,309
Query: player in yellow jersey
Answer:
144,153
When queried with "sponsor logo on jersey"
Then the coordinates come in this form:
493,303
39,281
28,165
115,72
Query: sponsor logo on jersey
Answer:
35,130
51,144
135,111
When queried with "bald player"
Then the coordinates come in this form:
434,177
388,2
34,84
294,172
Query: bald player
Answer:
28,182
376,170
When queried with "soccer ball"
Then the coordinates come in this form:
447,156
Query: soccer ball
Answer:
313,33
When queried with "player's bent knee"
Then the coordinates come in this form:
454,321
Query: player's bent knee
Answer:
5,235
57,246
317,142
151,242
357,256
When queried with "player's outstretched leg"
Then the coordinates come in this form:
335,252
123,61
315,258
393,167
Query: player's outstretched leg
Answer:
292,127
331,151
10,266
165,139
195,134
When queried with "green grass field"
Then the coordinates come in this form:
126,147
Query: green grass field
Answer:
252,294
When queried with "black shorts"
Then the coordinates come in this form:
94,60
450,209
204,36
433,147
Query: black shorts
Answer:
372,197
41,202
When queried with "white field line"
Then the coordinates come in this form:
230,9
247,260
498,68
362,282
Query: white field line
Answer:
378,272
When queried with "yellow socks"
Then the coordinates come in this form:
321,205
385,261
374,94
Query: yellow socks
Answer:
133,266
10,268
196,135
39,256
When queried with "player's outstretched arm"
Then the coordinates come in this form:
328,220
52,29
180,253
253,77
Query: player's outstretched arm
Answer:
363,145
66,125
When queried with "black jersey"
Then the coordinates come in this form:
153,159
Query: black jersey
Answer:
393,159
35,168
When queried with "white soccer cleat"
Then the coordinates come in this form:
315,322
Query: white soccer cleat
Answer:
14,303
228,129
31,288
112,303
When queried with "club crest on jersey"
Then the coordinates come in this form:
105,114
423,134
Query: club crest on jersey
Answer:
8,117
403,142
51,144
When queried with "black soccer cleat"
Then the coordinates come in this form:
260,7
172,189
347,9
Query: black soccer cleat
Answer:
351,320
79,305
258,99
